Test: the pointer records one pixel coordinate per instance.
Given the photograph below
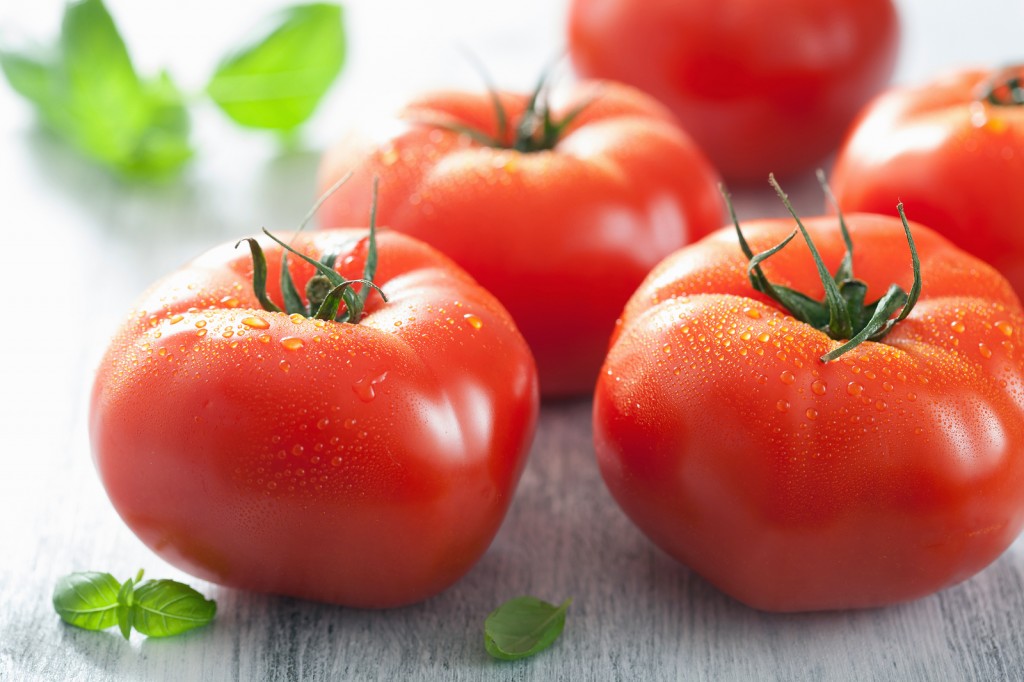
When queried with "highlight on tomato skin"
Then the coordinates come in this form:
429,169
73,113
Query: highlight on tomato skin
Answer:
953,148
559,204
793,484
366,463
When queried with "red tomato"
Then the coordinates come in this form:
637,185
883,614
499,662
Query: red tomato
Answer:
954,157
363,464
761,86
793,484
561,231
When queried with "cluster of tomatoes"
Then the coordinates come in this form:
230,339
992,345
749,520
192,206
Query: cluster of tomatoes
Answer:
836,421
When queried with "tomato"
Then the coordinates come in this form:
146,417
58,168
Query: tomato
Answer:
363,464
560,224
954,155
795,484
761,86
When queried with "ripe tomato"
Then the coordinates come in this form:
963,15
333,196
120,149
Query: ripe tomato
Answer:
561,223
761,86
795,484
363,464
953,150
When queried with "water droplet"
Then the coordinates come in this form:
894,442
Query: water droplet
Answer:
854,389
1005,327
667,349
818,387
229,302
787,377
292,343
985,351
886,386
752,313
201,332
389,155
745,336
811,413
323,423
296,318
880,405
782,405
255,322
284,366
297,450
175,319
366,388
911,397
474,321
763,337
336,461
200,324
957,326
264,338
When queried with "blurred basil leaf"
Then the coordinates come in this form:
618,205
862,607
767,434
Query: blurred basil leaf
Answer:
87,91
277,78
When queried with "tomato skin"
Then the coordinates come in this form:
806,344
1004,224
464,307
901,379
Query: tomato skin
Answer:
367,465
561,237
762,86
957,163
793,485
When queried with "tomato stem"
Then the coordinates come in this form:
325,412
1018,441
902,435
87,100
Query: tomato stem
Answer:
326,290
536,130
1005,87
842,314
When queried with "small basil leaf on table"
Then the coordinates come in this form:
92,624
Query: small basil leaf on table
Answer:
523,626
87,600
163,608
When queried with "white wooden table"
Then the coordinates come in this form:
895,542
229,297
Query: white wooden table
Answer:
78,248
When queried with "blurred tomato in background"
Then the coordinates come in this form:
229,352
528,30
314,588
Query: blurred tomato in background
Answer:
762,86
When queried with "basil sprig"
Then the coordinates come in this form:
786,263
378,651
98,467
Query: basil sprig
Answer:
86,90
156,608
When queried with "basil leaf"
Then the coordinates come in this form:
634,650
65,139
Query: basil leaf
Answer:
124,608
522,627
166,607
87,600
88,92
278,77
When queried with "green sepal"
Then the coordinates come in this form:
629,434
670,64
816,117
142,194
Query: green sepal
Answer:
292,301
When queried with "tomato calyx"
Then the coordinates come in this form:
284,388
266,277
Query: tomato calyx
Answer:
536,130
843,314
1005,87
326,290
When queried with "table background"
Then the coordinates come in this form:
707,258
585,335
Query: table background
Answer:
97,242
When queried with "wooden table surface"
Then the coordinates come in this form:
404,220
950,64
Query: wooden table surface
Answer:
79,246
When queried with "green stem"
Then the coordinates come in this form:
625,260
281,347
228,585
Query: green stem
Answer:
842,314
1005,87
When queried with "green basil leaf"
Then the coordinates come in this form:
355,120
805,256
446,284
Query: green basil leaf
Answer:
277,78
89,93
522,627
87,600
166,607
124,607
29,75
